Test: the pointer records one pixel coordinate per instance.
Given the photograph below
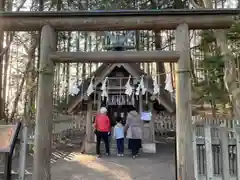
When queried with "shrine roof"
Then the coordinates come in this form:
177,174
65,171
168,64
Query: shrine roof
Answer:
104,70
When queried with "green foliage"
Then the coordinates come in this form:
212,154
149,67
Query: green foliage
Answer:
210,89
207,38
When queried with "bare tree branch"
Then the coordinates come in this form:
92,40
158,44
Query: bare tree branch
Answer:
12,35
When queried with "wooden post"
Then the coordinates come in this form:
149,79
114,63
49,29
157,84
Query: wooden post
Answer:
185,164
43,129
99,101
152,123
237,133
23,151
208,151
140,102
195,159
224,150
89,122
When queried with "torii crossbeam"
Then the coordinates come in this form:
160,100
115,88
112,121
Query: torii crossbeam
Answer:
118,20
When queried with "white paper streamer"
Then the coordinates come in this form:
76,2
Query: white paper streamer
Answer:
74,90
156,89
168,83
104,89
129,88
90,89
141,87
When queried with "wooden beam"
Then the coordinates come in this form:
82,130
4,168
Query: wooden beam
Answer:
118,20
89,122
43,129
115,57
184,128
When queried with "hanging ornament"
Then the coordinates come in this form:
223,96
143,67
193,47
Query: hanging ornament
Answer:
156,89
90,89
138,90
129,88
168,83
141,87
104,89
74,90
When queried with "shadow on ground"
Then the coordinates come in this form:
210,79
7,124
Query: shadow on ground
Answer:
77,166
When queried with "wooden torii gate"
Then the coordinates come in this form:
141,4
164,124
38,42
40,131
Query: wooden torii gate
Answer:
50,22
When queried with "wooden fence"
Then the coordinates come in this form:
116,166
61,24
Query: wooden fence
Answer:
216,148
63,126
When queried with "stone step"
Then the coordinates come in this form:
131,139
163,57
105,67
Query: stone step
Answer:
113,148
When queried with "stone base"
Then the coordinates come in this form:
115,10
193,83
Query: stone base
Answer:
90,147
149,147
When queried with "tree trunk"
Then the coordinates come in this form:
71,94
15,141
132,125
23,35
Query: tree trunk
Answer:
85,49
158,43
31,53
6,65
138,43
67,67
77,49
2,5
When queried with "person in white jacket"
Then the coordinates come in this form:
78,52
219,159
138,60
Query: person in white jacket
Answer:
119,136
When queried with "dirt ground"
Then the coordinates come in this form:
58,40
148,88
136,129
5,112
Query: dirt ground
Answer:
76,166
158,166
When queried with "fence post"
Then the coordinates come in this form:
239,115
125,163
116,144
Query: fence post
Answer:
237,134
208,150
224,148
195,152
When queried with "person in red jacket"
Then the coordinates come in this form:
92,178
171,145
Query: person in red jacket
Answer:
102,130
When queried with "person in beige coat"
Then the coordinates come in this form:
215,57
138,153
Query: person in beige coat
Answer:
134,132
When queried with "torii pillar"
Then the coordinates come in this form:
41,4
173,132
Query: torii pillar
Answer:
43,129
185,160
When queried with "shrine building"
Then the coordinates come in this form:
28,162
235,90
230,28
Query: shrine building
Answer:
115,77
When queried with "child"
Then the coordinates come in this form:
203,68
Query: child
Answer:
119,136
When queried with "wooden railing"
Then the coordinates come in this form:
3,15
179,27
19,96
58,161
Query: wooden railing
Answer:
63,126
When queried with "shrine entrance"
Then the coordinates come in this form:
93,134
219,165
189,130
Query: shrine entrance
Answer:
180,20
115,111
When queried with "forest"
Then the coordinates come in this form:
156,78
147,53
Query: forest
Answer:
214,57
